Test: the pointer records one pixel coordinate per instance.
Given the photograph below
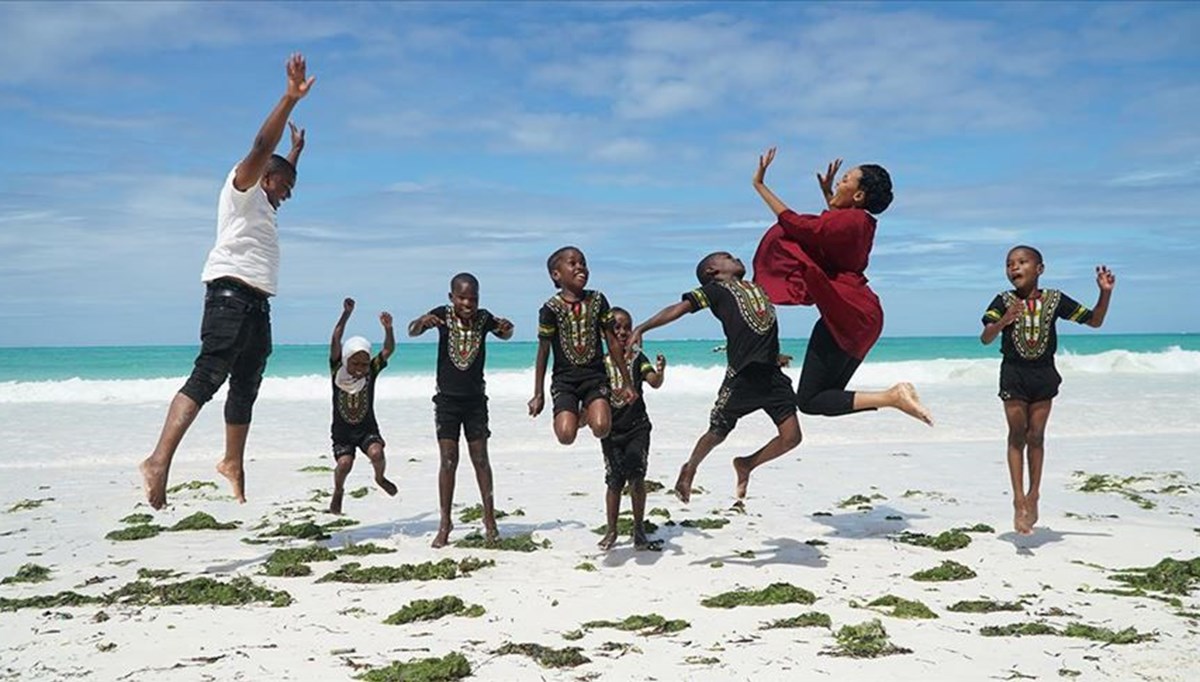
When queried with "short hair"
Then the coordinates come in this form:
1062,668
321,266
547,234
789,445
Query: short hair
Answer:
702,267
876,185
1023,247
464,278
278,164
552,261
618,309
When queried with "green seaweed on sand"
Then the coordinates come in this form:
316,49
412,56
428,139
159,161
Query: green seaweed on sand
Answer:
316,469
49,601
701,660
236,592
28,573
985,606
865,640
359,493
625,527
977,528
432,609
138,532
1067,672
547,657
202,521
137,519
1094,633
339,523
946,572
902,608
1135,488
25,505
812,619
651,487
363,549
586,566
705,523
859,500
452,666
946,541
156,574
1170,576
775,593
191,485
475,513
293,562
573,635
446,569
660,511
303,530
649,624
515,543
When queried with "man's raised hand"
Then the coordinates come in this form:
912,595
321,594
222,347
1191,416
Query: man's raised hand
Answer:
298,80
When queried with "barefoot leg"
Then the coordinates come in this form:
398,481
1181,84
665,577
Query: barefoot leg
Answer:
478,451
343,464
156,468
687,472
448,467
612,510
787,439
232,465
379,463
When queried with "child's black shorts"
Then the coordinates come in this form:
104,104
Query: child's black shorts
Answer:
466,414
756,387
347,443
1028,383
625,456
578,387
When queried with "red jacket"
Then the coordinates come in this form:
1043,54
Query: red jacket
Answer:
820,260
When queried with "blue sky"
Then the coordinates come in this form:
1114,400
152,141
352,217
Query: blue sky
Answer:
447,137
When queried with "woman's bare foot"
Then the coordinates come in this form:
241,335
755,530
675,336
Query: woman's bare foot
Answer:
909,403
154,480
609,539
335,503
1031,510
683,484
237,478
741,465
443,535
388,486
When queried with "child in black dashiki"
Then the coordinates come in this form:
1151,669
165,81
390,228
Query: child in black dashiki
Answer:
1026,317
352,374
627,446
460,405
753,380
571,325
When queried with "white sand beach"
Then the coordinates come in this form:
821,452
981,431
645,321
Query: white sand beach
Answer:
79,459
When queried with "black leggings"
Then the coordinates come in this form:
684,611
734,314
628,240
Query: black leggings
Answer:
827,369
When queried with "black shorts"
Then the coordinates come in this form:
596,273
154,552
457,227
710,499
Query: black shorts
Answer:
453,414
571,390
625,456
347,443
756,387
1027,383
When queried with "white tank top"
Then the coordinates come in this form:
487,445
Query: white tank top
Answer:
247,239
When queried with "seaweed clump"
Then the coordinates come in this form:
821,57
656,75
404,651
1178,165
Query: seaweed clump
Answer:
475,513
704,524
985,606
293,562
202,521
516,543
49,601
28,573
865,640
139,531
446,569
137,519
452,666
625,527
903,608
1171,576
432,609
947,571
567,657
364,549
237,592
812,619
649,624
775,593
1095,633
946,541
25,505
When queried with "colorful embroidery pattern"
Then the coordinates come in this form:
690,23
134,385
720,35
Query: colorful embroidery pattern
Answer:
353,406
578,327
1031,331
756,309
465,338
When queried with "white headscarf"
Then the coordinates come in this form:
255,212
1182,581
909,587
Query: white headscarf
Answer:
349,384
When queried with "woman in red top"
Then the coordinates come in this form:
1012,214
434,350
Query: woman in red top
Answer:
820,260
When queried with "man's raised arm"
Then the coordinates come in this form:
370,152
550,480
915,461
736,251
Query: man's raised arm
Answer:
250,170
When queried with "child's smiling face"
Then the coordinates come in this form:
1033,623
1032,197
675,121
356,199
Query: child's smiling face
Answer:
1023,268
571,271
358,364
465,299
622,328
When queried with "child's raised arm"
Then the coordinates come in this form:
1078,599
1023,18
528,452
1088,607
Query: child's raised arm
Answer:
504,329
425,322
618,360
389,336
655,378
1106,280
663,317
538,401
335,344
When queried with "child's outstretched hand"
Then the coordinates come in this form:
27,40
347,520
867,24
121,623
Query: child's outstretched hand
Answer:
660,363
385,318
503,326
627,394
347,306
536,403
764,161
826,181
429,321
1105,279
635,339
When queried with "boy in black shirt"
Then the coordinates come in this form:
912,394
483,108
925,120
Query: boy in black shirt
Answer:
627,446
753,380
571,325
460,402
352,374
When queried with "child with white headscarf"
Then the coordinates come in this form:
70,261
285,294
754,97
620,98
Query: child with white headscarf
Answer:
353,372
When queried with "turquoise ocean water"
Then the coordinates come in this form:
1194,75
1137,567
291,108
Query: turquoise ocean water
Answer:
152,362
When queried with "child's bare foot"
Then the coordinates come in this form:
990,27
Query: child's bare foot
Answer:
609,539
490,532
683,484
909,403
237,478
388,486
741,465
443,535
1021,518
154,480
1031,510
335,503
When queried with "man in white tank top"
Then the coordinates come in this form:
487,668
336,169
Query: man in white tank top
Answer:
240,275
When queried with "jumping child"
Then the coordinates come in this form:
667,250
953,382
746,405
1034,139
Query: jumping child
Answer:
353,373
460,404
571,325
627,446
1028,379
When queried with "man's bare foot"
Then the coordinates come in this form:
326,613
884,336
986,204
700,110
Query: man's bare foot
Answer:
154,480
1031,510
609,539
683,484
490,532
237,478
741,465
1021,518
909,403
388,486
335,504
443,535
643,543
